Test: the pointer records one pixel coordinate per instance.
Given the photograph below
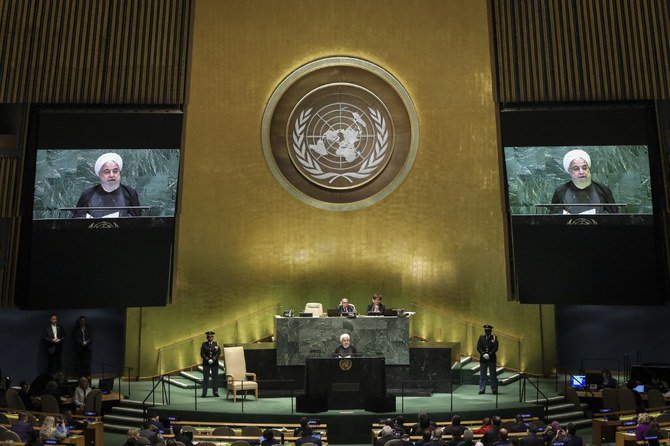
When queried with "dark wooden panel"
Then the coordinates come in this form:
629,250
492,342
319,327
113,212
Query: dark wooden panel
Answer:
581,50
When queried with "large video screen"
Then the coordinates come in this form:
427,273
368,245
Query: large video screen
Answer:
584,204
101,186
88,183
584,179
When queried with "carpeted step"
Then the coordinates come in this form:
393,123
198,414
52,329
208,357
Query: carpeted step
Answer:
123,420
566,417
182,383
128,411
118,428
552,399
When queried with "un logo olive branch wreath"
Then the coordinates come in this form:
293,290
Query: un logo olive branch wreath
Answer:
370,164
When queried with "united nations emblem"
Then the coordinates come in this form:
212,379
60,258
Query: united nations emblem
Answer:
340,133
345,364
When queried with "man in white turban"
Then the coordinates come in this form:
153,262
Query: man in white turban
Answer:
110,193
581,190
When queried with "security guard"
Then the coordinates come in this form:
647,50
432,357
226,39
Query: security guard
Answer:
210,353
487,346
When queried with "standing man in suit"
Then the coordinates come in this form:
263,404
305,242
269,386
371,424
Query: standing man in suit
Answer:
487,346
210,353
83,337
53,337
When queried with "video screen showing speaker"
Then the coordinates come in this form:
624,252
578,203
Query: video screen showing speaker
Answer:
584,204
101,187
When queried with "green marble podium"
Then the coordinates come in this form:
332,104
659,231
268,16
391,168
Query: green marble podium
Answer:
299,338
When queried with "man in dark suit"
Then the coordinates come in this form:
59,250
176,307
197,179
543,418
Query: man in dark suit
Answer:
532,439
492,435
53,337
83,337
573,439
487,346
22,428
306,437
345,307
210,353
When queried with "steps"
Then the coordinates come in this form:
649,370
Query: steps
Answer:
563,412
127,415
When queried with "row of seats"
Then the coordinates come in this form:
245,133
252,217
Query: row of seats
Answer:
619,400
92,403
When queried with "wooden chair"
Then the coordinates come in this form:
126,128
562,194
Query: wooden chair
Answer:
93,401
251,431
14,401
610,399
237,377
626,399
49,404
655,398
224,431
10,436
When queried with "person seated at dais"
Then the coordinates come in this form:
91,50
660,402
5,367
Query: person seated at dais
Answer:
345,307
376,306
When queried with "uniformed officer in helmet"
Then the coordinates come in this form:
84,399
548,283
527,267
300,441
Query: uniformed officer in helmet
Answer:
487,346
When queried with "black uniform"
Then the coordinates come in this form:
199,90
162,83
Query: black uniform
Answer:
54,350
487,344
210,351
83,337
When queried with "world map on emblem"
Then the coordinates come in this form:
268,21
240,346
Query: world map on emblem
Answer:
340,137
340,133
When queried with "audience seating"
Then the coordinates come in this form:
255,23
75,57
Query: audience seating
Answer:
223,431
626,399
655,398
610,399
93,401
49,404
10,436
14,401
251,431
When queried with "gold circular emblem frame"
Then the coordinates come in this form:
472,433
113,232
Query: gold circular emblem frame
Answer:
278,128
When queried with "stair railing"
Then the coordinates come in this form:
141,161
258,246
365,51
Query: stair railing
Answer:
468,333
185,353
527,379
164,382
629,359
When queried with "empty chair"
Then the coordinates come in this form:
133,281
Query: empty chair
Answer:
237,377
14,401
49,404
655,398
240,443
142,440
610,399
394,442
179,443
187,428
3,429
251,431
314,307
224,431
663,418
626,399
205,443
571,397
93,401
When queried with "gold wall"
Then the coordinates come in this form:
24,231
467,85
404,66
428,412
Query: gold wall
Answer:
245,244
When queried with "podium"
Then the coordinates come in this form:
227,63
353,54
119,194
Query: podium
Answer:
345,383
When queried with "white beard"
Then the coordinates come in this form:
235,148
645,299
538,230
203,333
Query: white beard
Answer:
582,183
110,186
